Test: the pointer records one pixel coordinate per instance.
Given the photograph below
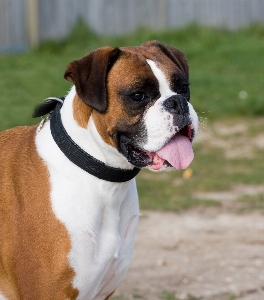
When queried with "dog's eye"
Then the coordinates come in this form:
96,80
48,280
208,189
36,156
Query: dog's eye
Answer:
184,89
138,96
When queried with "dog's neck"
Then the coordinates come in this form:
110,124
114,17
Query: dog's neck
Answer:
88,138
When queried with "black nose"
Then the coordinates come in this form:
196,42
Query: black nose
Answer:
176,104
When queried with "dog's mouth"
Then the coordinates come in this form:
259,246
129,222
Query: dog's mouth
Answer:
177,152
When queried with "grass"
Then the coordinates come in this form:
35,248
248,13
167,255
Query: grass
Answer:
222,64
168,296
248,204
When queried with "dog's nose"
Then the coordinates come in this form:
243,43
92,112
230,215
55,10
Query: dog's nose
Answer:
176,104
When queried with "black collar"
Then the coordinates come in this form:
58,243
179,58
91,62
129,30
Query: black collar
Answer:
81,158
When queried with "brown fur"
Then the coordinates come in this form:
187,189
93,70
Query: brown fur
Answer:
81,112
124,68
28,227
105,123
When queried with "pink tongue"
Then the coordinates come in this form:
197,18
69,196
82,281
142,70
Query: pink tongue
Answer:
178,152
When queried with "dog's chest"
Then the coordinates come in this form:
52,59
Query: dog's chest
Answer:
101,219
102,237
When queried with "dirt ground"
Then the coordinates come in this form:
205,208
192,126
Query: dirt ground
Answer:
197,255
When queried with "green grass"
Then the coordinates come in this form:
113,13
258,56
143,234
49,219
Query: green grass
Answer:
138,296
168,296
250,203
171,296
221,63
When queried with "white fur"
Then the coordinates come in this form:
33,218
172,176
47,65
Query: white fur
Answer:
158,121
101,217
2,297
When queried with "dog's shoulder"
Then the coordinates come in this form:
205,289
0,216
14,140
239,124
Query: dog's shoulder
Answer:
15,138
18,155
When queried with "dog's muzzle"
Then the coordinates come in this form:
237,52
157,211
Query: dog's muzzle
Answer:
177,104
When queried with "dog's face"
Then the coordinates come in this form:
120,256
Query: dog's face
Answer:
140,100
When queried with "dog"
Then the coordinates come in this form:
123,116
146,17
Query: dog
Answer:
68,200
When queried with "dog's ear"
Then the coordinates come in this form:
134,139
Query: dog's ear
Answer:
173,53
89,75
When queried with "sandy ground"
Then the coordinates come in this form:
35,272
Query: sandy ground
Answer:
208,255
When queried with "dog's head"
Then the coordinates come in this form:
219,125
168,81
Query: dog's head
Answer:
139,100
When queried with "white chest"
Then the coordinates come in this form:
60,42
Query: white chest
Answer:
101,218
102,225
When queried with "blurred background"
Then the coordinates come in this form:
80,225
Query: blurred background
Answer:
224,44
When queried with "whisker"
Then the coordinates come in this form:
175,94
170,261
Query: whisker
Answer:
203,124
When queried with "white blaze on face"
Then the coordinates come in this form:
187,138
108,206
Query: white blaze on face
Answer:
159,121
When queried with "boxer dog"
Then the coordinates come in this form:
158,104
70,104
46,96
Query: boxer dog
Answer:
68,200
